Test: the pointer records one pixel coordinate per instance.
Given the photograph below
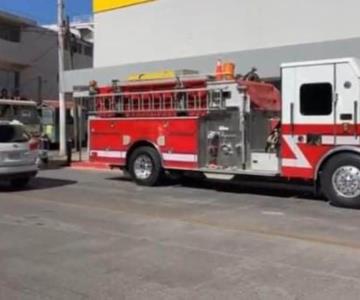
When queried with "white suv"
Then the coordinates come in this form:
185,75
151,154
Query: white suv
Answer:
18,154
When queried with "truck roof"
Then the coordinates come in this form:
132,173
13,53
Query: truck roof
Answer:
354,62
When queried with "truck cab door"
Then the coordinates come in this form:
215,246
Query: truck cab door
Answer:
309,104
347,103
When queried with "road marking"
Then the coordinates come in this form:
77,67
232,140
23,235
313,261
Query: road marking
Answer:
272,213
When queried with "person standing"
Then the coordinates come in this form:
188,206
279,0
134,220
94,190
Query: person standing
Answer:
4,94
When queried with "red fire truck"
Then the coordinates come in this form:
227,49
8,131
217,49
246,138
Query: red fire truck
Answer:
225,126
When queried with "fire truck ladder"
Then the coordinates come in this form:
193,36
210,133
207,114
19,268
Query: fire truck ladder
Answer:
180,101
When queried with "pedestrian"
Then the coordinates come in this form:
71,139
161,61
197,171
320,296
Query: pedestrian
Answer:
4,94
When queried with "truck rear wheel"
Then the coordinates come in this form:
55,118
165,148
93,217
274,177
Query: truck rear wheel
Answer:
145,166
340,180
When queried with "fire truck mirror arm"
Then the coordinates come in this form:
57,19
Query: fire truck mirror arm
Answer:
331,154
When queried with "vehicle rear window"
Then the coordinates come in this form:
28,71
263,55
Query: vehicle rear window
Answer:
13,134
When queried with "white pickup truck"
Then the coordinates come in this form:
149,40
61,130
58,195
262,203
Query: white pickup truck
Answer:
18,154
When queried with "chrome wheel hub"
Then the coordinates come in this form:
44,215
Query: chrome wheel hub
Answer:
143,167
346,181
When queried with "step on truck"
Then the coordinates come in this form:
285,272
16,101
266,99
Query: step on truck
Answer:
228,125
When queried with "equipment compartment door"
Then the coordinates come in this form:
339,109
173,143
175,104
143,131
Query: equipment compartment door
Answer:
221,143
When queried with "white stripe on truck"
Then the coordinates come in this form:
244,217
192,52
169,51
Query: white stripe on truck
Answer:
177,157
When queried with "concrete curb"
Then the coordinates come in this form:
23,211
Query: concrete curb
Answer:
86,165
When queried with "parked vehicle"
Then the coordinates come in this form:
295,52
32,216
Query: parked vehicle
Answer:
225,125
24,111
18,154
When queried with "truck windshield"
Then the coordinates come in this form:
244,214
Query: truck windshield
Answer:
13,134
26,114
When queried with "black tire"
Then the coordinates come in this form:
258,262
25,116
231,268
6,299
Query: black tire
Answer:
20,183
328,187
156,172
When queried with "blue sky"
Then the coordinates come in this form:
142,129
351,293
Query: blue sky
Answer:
44,11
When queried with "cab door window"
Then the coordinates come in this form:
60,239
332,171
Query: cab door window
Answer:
316,99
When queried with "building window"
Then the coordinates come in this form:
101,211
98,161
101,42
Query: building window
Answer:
88,50
316,99
9,80
10,33
79,48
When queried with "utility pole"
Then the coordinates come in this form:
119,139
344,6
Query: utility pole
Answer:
39,91
62,107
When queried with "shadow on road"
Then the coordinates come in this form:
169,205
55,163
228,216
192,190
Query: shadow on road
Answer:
38,183
54,165
273,189
244,186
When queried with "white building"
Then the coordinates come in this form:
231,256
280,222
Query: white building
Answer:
29,58
83,26
80,26
147,35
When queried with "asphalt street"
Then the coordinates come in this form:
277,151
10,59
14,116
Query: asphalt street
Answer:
96,235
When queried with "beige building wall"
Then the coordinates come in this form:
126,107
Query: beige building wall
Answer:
172,29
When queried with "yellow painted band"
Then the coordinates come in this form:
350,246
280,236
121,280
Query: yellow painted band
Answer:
104,5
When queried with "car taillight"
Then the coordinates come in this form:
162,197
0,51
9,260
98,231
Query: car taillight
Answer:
34,145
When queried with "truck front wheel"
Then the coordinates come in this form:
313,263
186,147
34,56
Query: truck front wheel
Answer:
340,180
145,166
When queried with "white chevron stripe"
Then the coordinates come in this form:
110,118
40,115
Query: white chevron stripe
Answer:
300,161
